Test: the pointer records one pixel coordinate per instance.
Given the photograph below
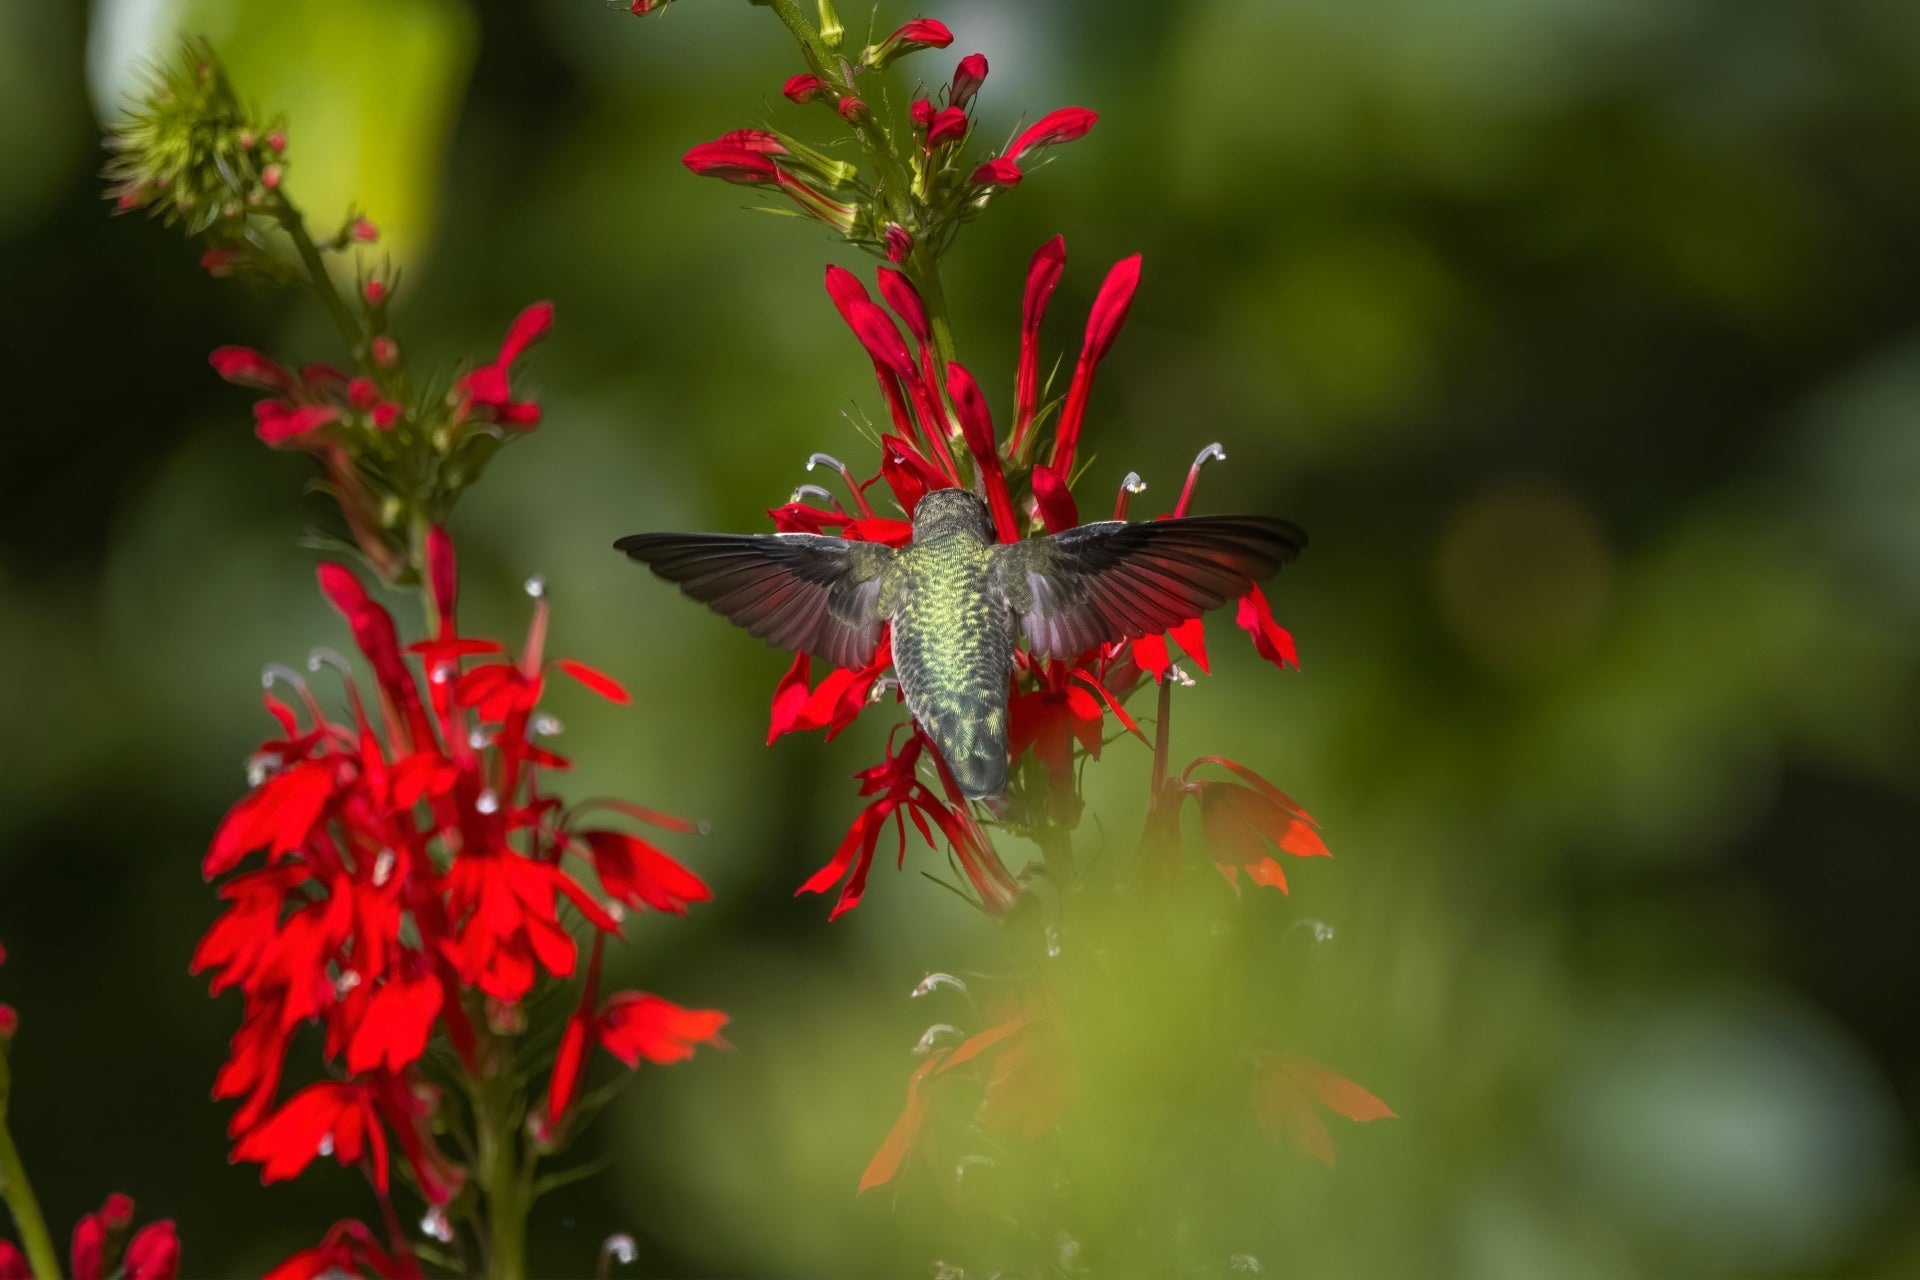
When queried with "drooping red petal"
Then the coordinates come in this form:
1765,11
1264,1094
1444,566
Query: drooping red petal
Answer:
899,1140
1332,1090
1273,641
601,683
976,426
635,1025
249,368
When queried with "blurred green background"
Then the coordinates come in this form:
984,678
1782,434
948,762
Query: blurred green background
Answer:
1583,335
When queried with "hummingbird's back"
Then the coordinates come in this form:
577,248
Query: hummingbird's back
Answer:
953,651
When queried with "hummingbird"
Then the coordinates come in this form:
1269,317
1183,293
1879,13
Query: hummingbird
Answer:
959,600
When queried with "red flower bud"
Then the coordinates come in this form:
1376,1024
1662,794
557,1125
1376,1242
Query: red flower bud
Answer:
375,292
385,351
730,164
921,33
804,88
443,577
1000,172
13,1263
270,177
248,368
757,140
922,112
154,1252
853,110
9,1022
899,243
967,78
363,231
926,32
948,126
218,262
1063,125
276,141
362,394
117,1212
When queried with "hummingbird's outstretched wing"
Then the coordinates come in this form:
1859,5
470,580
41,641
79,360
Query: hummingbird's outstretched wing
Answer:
802,591
1101,583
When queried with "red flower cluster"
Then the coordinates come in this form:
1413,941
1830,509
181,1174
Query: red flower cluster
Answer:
414,877
152,1254
941,191
1056,705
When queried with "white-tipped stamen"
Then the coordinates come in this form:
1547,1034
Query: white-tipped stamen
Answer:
881,688
931,1039
488,801
815,491
326,1144
548,725
619,1248
262,766
1133,483
616,912
1244,1264
346,982
383,867
325,657
480,739
276,672
1212,453
435,1226
934,981
1053,942
1320,929
826,460
536,586
960,1169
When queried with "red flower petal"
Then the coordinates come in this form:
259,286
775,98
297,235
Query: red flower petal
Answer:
1272,640
899,1140
635,1025
1063,125
604,685
153,1253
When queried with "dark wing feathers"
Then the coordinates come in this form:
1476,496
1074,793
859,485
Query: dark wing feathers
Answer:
801,591
1101,583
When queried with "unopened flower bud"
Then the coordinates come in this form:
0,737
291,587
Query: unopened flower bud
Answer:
967,78
1064,125
999,172
277,141
270,177
375,292
364,231
641,8
950,125
852,109
804,88
117,1212
386,352
922,112
921,33
219,262
899,243
9,1023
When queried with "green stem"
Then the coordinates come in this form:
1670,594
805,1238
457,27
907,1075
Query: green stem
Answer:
502,1174
318,280
17,1192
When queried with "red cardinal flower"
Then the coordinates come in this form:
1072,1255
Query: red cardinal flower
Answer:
485,390
413,861
348,1249
1286,1091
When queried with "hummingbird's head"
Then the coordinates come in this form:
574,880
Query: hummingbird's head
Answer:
943,513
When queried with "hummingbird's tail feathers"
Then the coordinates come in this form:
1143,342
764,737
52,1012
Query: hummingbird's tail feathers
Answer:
1101,583
805,592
